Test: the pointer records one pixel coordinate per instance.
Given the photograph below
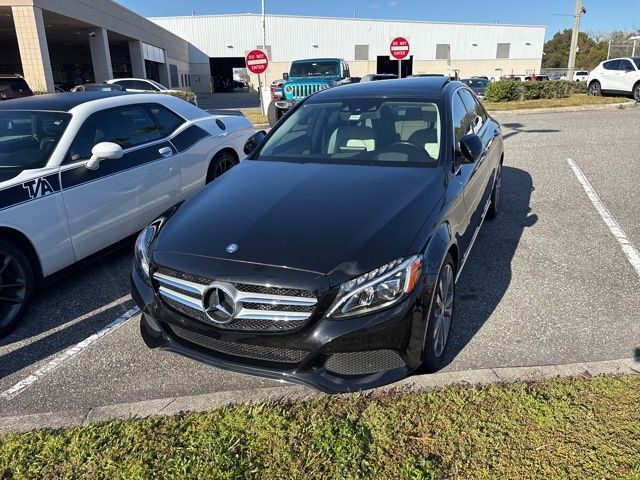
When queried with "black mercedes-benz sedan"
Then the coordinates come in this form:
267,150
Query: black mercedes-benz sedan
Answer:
329,256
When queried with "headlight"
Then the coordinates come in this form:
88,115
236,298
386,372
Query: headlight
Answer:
288,89
142,256
377,289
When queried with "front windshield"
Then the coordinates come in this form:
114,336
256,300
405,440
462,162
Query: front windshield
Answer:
28,138
372,131
314,69
476,82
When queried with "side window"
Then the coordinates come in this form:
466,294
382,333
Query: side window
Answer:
626,66
166,119
612,65
124,83
480,116
127,126
461,118
140,85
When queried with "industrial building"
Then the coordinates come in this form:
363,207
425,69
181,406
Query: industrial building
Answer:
78,41
218,44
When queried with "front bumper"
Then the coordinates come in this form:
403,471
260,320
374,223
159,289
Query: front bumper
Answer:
284,104
331,355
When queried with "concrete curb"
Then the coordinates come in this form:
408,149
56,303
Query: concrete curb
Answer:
580,108
284,393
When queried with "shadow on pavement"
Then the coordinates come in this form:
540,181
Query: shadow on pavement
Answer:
518,128
229,100
487,274
61,304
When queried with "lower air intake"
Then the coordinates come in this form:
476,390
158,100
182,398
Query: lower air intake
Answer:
363,363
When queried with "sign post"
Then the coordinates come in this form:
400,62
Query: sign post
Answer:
399,49
257,62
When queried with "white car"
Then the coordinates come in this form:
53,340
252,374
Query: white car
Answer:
82,171
580,76
142,85
618,75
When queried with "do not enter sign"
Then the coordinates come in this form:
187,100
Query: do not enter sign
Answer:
399,48
257,61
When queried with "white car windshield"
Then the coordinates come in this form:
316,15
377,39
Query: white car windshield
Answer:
28,138
368,131
159,85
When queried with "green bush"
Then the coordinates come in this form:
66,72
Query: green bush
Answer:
186,96
504,91
511,90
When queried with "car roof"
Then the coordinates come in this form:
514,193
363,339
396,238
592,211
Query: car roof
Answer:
405,87
61,102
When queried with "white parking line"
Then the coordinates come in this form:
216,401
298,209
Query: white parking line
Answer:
627,247
66,355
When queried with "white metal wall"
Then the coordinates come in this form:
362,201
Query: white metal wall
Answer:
294,37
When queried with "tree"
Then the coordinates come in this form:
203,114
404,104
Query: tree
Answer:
590,51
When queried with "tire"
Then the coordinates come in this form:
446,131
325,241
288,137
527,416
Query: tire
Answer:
636,92
273,114
221,163
16,285
436,339
494,206
595,89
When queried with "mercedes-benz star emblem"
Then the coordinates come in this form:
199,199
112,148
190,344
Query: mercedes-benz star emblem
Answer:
219,305
232,247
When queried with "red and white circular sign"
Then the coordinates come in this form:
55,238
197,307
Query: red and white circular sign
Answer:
399,48
257,61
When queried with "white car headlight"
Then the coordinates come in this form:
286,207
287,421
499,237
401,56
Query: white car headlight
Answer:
142,255
380,288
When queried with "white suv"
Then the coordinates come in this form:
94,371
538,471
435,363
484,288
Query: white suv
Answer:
619,75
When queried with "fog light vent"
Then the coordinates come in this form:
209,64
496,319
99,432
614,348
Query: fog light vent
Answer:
363,363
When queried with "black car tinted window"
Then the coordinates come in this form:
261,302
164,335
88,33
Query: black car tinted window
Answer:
140,85
462,118
626,65
127,126
612,65
13,85
473,106
166,119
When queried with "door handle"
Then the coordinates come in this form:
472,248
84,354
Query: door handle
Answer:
165,152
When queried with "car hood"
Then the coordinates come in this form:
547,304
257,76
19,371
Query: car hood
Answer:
312,79
332,219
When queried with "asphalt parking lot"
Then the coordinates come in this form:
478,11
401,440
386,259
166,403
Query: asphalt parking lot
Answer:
547,283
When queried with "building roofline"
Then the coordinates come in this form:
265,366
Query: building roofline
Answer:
427,22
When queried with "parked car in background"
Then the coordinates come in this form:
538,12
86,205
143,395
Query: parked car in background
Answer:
477,84
276,88
64,86
580,76
13,86
305,78
98,87
373,77
619,75
79,172
330,256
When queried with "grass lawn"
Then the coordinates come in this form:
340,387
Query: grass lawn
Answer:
580,428
573,101
254,115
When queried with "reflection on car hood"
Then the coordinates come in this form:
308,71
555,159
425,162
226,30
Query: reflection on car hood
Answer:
338,220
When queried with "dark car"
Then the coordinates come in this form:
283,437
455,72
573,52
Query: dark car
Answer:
13,86
329,257
98,87
478,85
374,77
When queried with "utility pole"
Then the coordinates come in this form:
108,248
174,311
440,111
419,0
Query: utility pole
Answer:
574,38
263,107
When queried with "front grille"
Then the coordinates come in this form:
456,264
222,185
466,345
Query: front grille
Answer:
257,307
363,363
305,89
242,350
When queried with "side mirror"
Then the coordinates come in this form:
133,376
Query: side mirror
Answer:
253,141
104,151
471,147
285,76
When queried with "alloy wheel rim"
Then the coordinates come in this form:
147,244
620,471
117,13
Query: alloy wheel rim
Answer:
636,94
13,288
443,311
595,89
223,167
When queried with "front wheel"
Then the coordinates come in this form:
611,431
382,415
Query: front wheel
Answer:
494,206
440,317
273,114
16,285
595,89
221,163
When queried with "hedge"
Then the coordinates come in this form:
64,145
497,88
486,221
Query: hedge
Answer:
512,90
186,96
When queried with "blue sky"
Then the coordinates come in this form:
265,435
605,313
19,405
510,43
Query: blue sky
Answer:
602,15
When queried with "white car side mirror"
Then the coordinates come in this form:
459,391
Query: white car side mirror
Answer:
103,151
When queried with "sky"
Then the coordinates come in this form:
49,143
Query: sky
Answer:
602,15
